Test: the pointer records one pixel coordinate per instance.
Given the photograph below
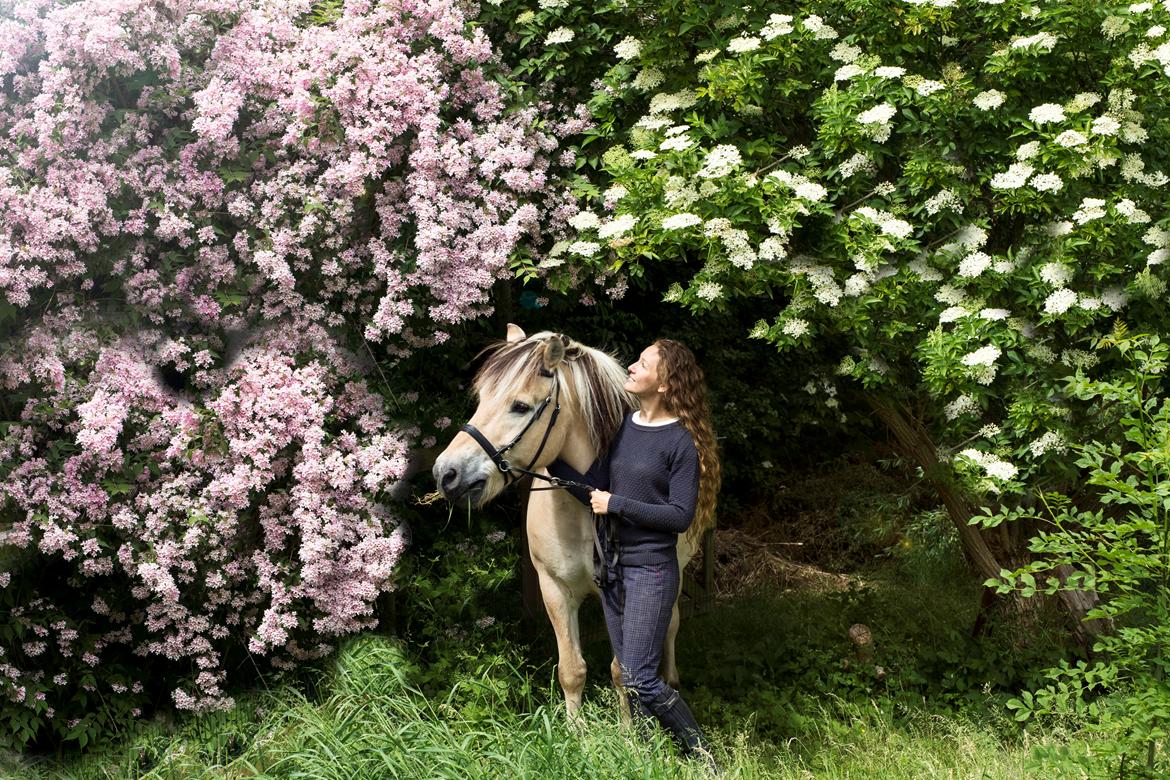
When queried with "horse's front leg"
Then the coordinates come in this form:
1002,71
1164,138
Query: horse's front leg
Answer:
668,669
562,607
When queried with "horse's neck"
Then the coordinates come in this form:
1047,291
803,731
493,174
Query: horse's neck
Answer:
578,451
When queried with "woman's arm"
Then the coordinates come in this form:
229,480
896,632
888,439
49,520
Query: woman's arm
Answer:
597,476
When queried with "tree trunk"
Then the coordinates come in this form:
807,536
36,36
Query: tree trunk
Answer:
915,443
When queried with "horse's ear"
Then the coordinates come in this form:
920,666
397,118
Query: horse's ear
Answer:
515,333
554,353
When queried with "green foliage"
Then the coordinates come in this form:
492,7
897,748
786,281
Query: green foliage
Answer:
459,602
1115,539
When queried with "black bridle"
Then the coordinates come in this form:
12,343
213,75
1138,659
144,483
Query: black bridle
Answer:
497,455
603,564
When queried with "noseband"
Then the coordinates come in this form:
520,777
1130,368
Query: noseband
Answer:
497,455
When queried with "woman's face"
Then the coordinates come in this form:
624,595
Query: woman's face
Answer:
643,374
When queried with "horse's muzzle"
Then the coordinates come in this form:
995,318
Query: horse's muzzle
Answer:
458,484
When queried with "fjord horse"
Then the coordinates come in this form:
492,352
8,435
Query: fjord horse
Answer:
544,397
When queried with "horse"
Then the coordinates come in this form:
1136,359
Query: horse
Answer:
519,380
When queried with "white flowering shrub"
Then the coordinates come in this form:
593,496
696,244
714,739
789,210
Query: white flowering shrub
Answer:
940,202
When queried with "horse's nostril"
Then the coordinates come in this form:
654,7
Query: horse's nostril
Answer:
449,479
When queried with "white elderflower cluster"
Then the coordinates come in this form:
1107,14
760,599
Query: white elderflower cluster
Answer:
1082,101
943,200
821,31
1058,229
646,80
679,193
857,284
704,57
989,431
643,154
889,72
679,221
1051,441
1091,208
859,162
920,268
735,242
1133,215
742,45
950,294
846,72
1105,125
709,291
665,102
879,114
844,52
773,248
1115,298
1070,138
988,99
628,48
1047,182
612,195
1041,41
584,220
1047,113
994,315
952,313
984,356
1013,178
803,187
886,222
559,35
677,143
963,405
974,264
1028,151
721,160
1056,274
1059,301
777,25
795,328
825,287
618,226
584,248
927,87
992,465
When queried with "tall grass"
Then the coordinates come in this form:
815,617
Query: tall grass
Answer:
371,723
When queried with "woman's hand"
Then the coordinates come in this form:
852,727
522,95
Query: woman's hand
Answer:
599,500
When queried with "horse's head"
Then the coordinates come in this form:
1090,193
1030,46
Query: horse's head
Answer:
520,386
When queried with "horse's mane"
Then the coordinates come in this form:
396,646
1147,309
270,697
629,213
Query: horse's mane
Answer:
594,380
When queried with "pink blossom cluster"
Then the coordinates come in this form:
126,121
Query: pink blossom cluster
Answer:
249,510
371,164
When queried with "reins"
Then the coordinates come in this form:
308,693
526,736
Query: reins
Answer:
603,565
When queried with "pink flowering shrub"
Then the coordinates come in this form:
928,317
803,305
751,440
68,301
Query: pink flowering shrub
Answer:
207,212
252,517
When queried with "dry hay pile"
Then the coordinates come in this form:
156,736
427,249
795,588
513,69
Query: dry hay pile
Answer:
752,560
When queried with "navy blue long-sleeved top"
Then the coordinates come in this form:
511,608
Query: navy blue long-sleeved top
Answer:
653,473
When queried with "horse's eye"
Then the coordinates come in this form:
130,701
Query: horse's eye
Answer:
519,407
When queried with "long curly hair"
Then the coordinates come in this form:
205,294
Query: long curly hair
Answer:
686,399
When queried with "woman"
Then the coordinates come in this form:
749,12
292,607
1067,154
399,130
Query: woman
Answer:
661,472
